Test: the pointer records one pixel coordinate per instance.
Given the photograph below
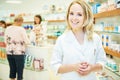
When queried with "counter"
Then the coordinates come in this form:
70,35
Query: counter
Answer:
29,72
39,53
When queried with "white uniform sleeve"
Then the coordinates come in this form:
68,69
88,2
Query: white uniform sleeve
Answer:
56,60
32,36
100,53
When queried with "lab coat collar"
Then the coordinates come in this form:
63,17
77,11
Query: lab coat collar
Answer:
72,39
81,47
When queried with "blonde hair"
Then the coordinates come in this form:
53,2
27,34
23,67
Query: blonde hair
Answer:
18,18
88,20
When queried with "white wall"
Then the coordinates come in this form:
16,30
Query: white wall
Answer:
31,6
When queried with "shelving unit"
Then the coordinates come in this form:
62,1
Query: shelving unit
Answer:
55,28
110,13
106,32
111,52
114,74
96,1
25,22
46,20
55,20
52,37
106,14
106,24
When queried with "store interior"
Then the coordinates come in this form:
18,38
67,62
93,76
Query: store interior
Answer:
53,12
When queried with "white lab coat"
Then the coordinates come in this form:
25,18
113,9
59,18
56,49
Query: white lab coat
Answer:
32,38
67,50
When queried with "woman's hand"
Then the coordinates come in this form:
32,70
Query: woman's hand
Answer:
85,69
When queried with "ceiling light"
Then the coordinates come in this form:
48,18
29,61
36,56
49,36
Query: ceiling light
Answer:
14,1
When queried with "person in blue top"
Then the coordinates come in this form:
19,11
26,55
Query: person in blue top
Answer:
78,52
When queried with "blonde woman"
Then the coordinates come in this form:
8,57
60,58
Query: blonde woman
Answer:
78,53
16,40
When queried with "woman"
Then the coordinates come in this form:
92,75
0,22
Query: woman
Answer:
78,53
16,40
3,24
36,32
37,20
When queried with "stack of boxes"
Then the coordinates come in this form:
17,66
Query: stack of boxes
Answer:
2,46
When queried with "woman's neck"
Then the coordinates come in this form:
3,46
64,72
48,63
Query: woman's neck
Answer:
16,24
78,32
79,36
37,24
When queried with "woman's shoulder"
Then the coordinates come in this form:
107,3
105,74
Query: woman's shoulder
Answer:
10,28
95,35
66,36
14,27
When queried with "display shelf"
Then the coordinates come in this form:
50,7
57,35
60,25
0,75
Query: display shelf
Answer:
113,71
4,61
2,44
52,37
28,22
36,70
111,52
55,20
25,22
55,28
107,32
111,13
96,1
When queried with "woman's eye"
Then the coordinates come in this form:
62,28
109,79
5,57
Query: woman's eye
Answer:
79,14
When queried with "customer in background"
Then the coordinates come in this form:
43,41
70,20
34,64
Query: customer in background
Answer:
3,24
36,33
16,40
78,53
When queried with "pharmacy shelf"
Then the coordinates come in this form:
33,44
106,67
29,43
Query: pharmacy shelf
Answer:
45,20
28,22
99,1
110,13
108,74
92,2
2,44
111,52
52,37
113,71
55,20
107,32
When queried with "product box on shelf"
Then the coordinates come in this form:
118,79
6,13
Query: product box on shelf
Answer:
2,46
118,3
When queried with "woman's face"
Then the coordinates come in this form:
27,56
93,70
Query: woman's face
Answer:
76,17
37,20
2,25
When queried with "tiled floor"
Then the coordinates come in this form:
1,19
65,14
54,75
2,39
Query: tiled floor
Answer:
28,74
